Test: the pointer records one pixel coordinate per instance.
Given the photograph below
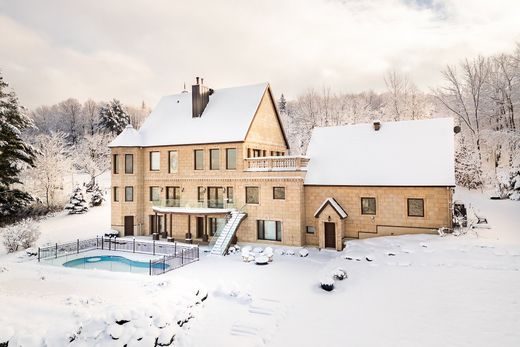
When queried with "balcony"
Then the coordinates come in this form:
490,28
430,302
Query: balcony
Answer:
182,206
283,163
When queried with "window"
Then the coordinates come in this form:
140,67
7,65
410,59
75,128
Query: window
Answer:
214,159
279,193
173,196
129,163
129,193
368,205
230,195
310,229
155,194
199,159
269,230
415,207
256,153
200,194
115,194
155,161
231,159
115,163
249,152
252,195
173,161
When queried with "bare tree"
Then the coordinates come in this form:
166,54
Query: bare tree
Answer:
72,117
91,115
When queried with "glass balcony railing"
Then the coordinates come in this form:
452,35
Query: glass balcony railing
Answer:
220,203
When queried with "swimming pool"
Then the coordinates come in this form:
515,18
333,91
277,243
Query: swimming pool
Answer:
113,263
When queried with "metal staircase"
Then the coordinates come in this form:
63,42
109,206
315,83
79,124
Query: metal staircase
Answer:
222,239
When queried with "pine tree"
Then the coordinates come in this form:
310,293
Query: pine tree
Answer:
96,199
282,104
15,153
113,118
77,203
467,165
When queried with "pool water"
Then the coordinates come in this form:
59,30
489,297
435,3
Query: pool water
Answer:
113,263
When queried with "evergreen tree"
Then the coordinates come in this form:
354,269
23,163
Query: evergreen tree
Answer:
77,203
96,199
113,118
15,153
467,165
282,104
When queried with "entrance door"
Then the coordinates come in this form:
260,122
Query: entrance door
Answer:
330,235
200,227
129,225
215,197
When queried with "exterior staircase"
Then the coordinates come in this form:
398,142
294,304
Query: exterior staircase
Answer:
221,240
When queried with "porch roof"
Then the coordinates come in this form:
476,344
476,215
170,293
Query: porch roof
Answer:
191,210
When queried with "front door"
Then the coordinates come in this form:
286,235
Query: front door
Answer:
129,225
330,235
200,227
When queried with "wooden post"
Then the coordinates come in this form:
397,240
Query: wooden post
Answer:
102,243
77,247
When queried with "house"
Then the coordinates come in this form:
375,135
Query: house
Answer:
214,166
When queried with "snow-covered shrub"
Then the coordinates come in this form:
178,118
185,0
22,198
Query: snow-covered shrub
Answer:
290,252
327,284
21,235
468,171
508,184
77,203
303,252
339,274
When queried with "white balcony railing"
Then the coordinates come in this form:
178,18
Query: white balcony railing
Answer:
282,163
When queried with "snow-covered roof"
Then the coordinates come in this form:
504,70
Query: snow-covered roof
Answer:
405,153
129,137
334,204
226,118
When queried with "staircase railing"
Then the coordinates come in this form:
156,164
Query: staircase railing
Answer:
218,233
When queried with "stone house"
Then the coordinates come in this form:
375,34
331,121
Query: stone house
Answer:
214,166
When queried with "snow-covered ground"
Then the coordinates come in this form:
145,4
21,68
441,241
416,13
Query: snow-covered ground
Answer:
416,290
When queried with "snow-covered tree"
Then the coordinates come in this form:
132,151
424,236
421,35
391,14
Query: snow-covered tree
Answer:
96,198
282,104
52,163
93,155
91,116
15,152
468,171
73,120
21,235
77,203
113,118
138,115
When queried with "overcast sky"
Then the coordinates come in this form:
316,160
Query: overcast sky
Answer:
140,50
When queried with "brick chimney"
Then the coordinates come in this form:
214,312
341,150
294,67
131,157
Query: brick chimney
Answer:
199,97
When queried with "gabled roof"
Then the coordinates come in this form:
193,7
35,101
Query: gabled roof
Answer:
405,153
226,118
334,204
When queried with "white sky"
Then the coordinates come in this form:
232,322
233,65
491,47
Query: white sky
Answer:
138,50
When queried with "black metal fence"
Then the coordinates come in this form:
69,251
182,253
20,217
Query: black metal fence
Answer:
174,261
174,254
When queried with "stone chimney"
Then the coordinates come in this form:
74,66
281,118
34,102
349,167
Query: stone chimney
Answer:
199,97
377,125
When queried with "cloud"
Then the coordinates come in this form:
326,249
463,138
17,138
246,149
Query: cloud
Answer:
139,50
